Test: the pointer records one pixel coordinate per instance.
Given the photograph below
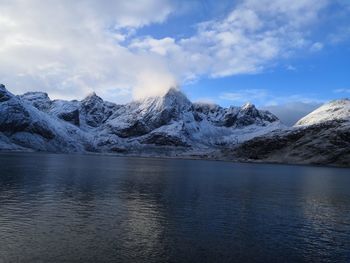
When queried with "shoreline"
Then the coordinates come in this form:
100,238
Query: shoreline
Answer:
194,158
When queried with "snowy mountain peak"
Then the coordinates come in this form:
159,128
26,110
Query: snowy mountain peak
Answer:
92,97
173,91
172,99
247,106
175,97
334,110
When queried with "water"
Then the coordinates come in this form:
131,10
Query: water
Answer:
74,208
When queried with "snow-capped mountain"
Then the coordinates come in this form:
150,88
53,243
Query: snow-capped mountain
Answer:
171,125
321,137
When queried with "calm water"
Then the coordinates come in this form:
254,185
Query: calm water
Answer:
72,208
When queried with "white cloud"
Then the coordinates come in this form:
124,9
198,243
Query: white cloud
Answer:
150,82
69,48
248,40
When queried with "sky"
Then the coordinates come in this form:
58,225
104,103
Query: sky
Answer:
285,56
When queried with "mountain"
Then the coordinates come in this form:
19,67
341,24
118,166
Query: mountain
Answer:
164,125
25,127
321,137
171,125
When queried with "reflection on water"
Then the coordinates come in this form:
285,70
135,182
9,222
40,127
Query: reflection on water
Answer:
73,208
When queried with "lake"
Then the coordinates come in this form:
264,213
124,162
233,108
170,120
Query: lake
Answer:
90,208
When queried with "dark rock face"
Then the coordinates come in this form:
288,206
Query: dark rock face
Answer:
137,128
14,117
261,147
41,129
72,117
230,119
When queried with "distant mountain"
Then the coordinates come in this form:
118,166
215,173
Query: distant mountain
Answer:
171,125
321,137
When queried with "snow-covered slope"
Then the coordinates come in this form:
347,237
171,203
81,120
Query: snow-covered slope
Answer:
334,110
25,126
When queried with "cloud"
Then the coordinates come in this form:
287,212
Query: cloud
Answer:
151,82
69,48
250,39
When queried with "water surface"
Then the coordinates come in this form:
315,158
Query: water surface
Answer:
76,208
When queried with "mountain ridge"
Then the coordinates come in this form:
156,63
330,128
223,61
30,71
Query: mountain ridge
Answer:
168,125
